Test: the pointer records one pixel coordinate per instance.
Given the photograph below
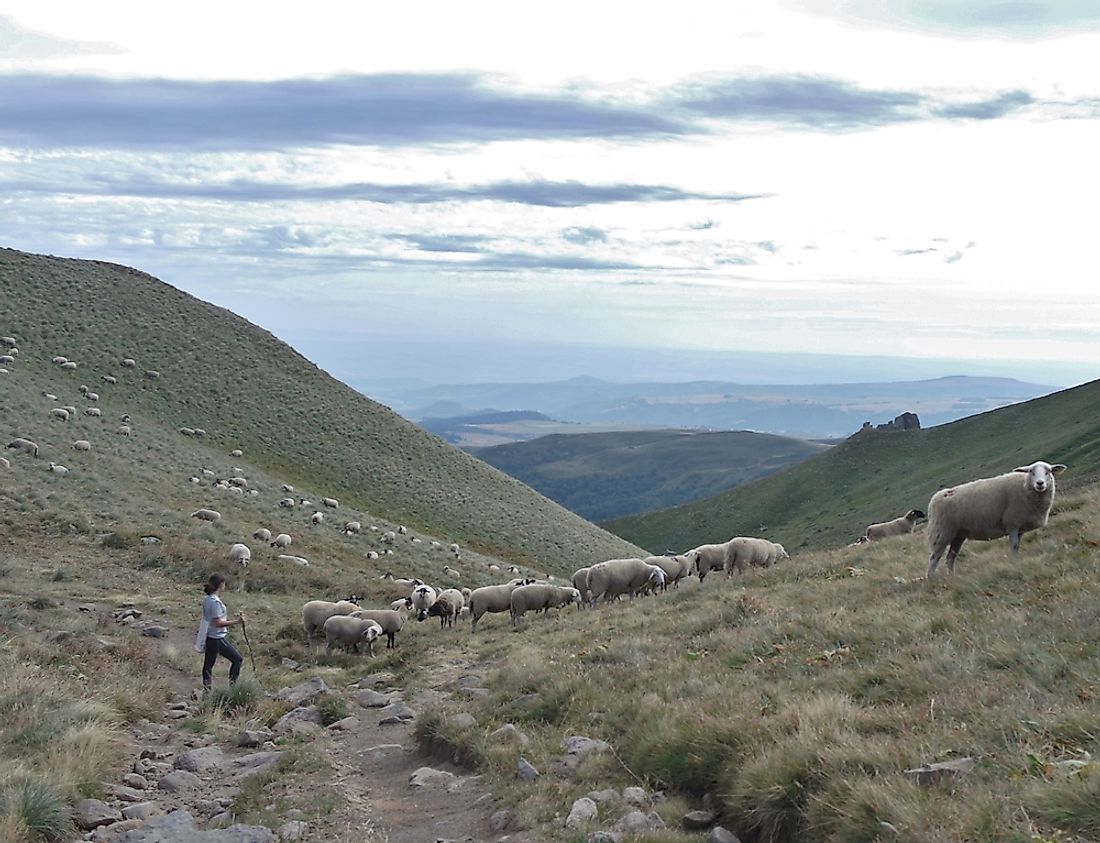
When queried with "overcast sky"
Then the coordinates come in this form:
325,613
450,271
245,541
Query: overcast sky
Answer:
901,177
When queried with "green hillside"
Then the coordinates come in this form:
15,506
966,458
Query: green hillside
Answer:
828,500
608,475
248,390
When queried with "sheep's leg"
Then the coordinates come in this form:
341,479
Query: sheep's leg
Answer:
952,552
934,559
1014,542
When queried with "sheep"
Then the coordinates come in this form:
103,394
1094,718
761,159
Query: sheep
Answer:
152,374
187,431
111,379
389,537
304,502
281,541
617,577
297,560
128,363
123,430
24,445
331,503
206,514
447,607
193,479
352,528
59,413
262,534
453,573
71,410
91,396
234,489
93,411
236,452
13,351
401,531
707,557
4,462
316,612
286,487
351,631
492,598
1006,505
454,548
317,518
125,418
391,620
901,526
240,554
199,433
57,468
82,389
8,341
675,568
82,445
423,596
59,360
539,597
241,482
287,503
743,551
580,582
371,554
68,366
6,358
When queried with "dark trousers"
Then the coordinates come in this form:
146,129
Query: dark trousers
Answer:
220,647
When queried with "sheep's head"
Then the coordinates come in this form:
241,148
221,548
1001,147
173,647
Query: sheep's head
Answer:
1040,475
656,574
370,633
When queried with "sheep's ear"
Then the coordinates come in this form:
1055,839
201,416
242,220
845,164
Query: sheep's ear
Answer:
1058,468
1023,468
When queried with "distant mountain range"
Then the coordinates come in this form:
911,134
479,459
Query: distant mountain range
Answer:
813,410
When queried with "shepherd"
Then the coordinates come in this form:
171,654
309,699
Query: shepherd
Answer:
212,637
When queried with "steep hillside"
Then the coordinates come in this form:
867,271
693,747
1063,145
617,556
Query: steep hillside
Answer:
248,390
827,500
607,475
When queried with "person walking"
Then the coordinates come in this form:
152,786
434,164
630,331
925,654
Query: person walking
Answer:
213,631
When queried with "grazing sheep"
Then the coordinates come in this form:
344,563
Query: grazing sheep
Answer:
6,358
93,411
199,432
316,612
236,452
70,410
262,534
391,620
349,631
281,541
4,462
240,554
240,482
580,582
68,366
352,528
286,487
152,374
82,389
111,379
675,568
708,557
1006,505
82,445
187,431
331,503
616,577
388,537
123,430
447,607
91,396
206,514
492,598
59,360
193,479
125,418
128,363
287,503
59,413
8,341
24,445
540,597
901,526
57,468
454,548
297,560
423,596
745,551
317,518
453,573
401,531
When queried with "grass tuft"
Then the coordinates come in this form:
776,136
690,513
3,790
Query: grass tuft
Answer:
32,810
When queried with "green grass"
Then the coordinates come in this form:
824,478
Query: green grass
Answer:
828,500
609,475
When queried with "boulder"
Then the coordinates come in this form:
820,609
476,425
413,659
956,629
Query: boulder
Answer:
604,837
289,722
722,835
463,720
931,774
508,733
179,780
140,811
635,796
637,822
345,725
526,771
200,760
292,830
179,827
607,795
501,821
250,764
154,631
583,812
110,833
370,699
429,777
250,738
92,813
135,781
698,820
303,694
582,746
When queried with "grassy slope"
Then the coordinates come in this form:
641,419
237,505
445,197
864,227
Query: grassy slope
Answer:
875,475
606,475
250,391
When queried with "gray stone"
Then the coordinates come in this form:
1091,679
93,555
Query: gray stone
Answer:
293,830
345,725
92,813
179,780
474,692
108,833
429,777
295,814
637,821
370,699
209,807
154,631
697,820
468,681
634,796
722,835
304,693
463,720
290,664
604,837
527,701
392,720
373,680
384,749
508,733
176,714
251,738
250,764
931,774
584,811
200,760
135,781
525,770
608,795
582,746
179,827
222,820
127,794
86,607
56,636
306,714
140,811
144,767
501,821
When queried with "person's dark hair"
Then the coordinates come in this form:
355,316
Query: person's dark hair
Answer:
214,583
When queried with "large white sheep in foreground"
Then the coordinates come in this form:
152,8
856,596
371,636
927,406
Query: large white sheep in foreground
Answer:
616,577
316,612
349,631
539,597
900,526
391,620
580,582
492,598
423,596
1008,505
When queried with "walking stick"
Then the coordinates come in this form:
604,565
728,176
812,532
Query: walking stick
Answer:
247,643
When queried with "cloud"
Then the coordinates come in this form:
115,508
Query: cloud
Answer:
18,42
468,243
378,110
583,235
990,109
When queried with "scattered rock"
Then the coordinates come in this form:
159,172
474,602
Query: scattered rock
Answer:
290,664
501,821
209,807
582,746
468,681
608,795
86,607
373,680
140,811
135,781
527,701
583,812
636,822
634,796
525,771
175,714
251,763
92,813
179,780
222,820
124,615
106,833
126,794
930,774
722,835
56,636
293,830
566,766
371,699
429,777
179,827
200,760
295,814
474,692
144,767
509,733
290,721
464,720
604,837
303,694
249,738
345,725
154,631
698,820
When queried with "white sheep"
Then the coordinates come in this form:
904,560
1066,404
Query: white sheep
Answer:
447,606
901,526
331,503
57,468
93,411
304,502
297,560
82,445
352,528
206,514
59,360
8,341
199,432
616,577
281,541
194,479
71,410
402,530
580,582
350,631
371,554
59,413
241,482
6,359
49,396
745,551
68,366
125,418
422,597
4,462
1006,505
152,374
240,554
187,431
236,452
317,518
391,620
286,487
539,597
287,503
262,534
316,612
91,396
128,363
492,598
24,445
111,379
388,537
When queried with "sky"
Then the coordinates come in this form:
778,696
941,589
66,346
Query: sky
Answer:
904,178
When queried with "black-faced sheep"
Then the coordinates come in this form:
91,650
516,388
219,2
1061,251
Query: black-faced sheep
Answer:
24,445
240,554
1007,505
281,541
